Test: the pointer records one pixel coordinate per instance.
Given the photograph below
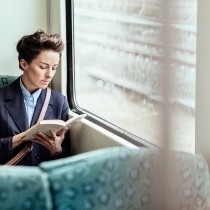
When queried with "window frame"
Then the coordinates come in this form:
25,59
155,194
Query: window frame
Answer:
202,111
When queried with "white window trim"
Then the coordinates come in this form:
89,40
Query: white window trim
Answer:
202,116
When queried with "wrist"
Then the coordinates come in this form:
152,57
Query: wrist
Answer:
55,154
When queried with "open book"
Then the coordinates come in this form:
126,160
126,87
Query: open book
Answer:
45,126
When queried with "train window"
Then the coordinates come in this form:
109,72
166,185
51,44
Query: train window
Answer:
118,65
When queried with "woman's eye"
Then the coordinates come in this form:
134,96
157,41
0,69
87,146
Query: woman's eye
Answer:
43,67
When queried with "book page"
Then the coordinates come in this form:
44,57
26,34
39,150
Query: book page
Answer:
73,121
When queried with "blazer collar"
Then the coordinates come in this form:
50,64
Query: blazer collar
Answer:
14,103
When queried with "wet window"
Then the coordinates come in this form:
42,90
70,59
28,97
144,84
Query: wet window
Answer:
119,65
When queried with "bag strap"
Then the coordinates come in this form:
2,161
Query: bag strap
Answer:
23,152
45,105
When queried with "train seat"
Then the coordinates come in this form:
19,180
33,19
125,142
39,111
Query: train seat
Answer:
6,80
120,178
24,188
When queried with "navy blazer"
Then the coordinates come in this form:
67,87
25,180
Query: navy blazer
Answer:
14,120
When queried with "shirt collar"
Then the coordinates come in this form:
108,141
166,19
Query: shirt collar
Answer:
26,94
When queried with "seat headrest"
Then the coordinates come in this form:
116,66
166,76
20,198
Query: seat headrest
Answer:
6,80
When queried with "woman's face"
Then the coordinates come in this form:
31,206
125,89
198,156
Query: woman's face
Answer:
39,73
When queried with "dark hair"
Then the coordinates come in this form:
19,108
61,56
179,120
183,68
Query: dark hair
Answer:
30,46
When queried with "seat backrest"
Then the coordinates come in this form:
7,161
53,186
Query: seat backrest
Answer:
127,179
24,188
6,80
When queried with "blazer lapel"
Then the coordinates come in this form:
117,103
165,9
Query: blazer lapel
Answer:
15,106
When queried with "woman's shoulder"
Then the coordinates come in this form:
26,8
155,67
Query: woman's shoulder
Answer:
59,98
10,89
56,93
6,80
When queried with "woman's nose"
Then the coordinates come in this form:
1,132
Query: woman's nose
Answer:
49,73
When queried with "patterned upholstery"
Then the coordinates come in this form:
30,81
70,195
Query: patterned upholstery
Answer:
6,80
129,179
24,188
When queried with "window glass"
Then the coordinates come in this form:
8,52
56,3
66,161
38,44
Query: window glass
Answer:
118,65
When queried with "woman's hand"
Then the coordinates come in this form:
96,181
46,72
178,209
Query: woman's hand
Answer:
51,142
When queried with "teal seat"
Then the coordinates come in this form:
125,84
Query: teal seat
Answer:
128,179
6,80
24,188
115,178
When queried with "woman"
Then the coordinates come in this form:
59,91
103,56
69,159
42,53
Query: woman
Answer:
21,102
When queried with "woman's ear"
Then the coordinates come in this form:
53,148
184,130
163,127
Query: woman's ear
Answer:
23,64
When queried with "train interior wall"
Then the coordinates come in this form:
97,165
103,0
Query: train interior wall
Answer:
87,136
18,18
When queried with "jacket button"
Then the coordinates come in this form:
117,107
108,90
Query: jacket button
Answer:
36,156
